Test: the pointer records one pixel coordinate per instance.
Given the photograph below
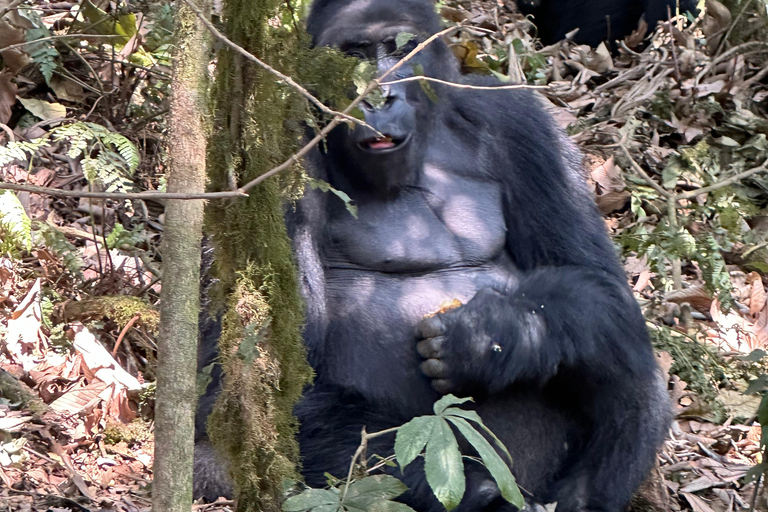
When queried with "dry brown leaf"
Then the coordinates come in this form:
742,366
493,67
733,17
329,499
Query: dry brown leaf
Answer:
695,295
697,504
613,201
76,400
7,96
757,295
23,338
643,280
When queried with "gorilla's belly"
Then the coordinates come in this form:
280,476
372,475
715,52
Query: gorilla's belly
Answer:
372,318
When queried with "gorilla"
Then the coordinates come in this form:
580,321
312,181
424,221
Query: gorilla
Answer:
597,20
470,197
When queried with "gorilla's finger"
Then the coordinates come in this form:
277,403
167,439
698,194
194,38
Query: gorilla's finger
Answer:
430,327
442,386
434,368
431,348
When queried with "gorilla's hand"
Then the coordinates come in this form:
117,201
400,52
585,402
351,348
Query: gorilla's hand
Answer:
463,346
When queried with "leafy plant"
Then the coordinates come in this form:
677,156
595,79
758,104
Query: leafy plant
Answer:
108,158
57,243
15,225
433,438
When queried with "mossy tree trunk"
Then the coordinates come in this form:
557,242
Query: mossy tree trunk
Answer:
180,302
261,348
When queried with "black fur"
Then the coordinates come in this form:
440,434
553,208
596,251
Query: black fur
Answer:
475,196
597,20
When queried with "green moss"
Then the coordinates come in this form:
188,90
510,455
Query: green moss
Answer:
257,126
135,432
118,308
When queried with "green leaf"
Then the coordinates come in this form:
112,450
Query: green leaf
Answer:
389,506
448,401
443,466
312,498
757,385
755,356
362,494
762,411
204,379
496,466
326,187
754,472
412,437
15,225
403,38
473,416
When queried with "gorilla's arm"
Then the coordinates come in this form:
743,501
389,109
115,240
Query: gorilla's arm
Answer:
572,309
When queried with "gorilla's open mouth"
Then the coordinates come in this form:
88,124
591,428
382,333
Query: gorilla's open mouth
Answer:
385,144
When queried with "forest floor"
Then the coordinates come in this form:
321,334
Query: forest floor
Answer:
671,120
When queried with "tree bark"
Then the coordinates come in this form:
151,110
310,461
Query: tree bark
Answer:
180,302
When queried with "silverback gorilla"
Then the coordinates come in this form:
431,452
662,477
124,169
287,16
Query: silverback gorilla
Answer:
475,196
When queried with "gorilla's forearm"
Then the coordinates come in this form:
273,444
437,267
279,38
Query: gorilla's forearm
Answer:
571,318
575,319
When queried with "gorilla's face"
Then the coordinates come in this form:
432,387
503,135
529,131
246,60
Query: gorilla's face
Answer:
388,152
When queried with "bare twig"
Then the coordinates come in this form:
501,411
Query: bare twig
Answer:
759,479
65,36
673,44
464,86
156,196
735,21
360,453
724,183
13,5
639,170
726,55
124,332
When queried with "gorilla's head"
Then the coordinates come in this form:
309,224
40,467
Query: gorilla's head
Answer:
369,29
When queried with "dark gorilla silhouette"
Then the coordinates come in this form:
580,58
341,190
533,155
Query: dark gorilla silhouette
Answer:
597,20
472,195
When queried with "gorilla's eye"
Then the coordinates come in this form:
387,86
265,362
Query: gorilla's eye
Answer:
360,50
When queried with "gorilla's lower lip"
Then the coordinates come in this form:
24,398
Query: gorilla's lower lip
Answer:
386,144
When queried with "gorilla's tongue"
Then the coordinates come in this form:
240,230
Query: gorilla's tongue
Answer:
381,143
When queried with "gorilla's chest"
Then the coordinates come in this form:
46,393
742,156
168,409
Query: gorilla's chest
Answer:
445,222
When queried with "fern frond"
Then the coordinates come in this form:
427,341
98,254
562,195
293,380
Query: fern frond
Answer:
15,225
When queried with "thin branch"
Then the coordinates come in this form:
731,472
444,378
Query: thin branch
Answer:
13,5
639,170
65,36
285,78
154,196
720,184
464,86
296,157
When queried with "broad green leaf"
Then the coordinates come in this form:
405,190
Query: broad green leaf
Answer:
447,401
757,385
310,499
364,493
473,416
443,466
412,437
754,472
491,459
389,506
373,493
755,355
762,412
403,38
